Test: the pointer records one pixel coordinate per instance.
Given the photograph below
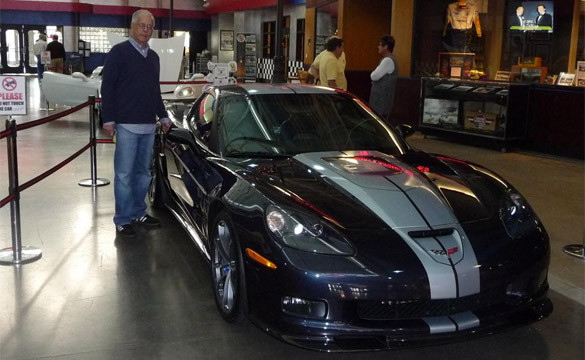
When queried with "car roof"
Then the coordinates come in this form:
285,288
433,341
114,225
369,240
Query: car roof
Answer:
265,88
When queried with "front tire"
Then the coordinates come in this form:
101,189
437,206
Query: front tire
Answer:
227,270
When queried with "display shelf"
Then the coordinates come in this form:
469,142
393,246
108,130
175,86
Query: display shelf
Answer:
489,110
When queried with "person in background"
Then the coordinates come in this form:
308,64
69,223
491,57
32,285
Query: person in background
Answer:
38,48
314,69
131,102
331,69
384,79
57,54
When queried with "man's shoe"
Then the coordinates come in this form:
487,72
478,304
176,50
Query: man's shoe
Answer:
147,221
126,231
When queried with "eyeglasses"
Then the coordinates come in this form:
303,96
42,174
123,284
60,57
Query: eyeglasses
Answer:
145,27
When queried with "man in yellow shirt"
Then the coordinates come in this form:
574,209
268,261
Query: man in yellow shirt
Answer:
331,69
314,69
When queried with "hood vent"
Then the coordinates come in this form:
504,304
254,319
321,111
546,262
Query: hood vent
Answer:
430,233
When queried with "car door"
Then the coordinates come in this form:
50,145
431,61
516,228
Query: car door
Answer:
190,177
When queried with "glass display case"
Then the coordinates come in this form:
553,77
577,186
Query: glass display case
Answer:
486,109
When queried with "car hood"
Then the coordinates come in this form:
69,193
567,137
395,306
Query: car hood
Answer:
416,190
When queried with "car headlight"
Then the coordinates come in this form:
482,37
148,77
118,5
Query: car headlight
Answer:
305,232
516,214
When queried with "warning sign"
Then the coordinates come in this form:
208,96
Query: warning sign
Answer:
12,95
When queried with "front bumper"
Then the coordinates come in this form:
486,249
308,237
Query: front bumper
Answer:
385,335
361,317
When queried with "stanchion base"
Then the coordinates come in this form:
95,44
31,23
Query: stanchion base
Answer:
28,254
98,182
575,250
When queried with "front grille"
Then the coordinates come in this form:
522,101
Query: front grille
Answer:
409,309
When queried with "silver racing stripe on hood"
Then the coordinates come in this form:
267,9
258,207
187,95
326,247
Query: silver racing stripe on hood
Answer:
403,199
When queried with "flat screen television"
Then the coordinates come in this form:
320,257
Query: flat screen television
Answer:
531,16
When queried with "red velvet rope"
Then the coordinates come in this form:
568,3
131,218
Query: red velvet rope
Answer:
44,175
51,118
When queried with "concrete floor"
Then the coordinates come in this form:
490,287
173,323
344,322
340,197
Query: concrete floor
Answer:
93,297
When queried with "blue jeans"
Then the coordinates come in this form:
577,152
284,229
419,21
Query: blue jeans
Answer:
132,174
40,67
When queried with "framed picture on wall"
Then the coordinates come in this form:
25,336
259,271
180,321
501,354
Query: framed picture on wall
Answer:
226,40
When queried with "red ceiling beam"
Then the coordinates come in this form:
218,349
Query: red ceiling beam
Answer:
224,6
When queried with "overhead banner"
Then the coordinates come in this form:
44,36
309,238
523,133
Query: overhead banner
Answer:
12,95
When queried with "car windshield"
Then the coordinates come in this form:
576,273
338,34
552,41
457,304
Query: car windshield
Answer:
289,124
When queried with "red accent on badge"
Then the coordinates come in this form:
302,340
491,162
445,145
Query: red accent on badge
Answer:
452,251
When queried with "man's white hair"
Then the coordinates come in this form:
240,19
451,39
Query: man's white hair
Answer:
140,12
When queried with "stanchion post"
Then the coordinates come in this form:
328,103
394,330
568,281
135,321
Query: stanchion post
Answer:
93,181
17,254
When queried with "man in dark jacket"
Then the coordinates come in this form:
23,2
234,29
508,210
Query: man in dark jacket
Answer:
131,103
57,54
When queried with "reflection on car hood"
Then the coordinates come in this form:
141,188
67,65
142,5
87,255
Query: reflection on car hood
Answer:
416,190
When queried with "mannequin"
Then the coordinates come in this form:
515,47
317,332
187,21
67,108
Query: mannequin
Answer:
462,15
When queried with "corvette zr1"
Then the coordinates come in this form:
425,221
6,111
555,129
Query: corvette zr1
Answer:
324,228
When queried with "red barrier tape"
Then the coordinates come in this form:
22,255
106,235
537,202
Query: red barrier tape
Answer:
44,175
5,133
104,141
51,118
35,180
6,200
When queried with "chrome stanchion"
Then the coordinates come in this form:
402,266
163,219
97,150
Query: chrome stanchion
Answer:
17,254
94,181
576,250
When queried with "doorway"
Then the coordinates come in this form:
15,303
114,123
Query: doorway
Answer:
16,48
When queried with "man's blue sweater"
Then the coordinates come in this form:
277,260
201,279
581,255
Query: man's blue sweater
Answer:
130,86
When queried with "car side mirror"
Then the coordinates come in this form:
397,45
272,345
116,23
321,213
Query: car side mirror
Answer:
405,130
181,136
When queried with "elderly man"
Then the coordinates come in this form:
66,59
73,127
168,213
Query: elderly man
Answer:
131,103
331,70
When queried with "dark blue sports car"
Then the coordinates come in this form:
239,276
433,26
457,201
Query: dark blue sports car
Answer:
324,228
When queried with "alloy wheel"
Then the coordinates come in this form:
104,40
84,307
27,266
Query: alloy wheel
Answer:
225,268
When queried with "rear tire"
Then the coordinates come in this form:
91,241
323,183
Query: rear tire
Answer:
227,270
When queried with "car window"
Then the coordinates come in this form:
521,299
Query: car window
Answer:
238,127
320,122
201,117
206,109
